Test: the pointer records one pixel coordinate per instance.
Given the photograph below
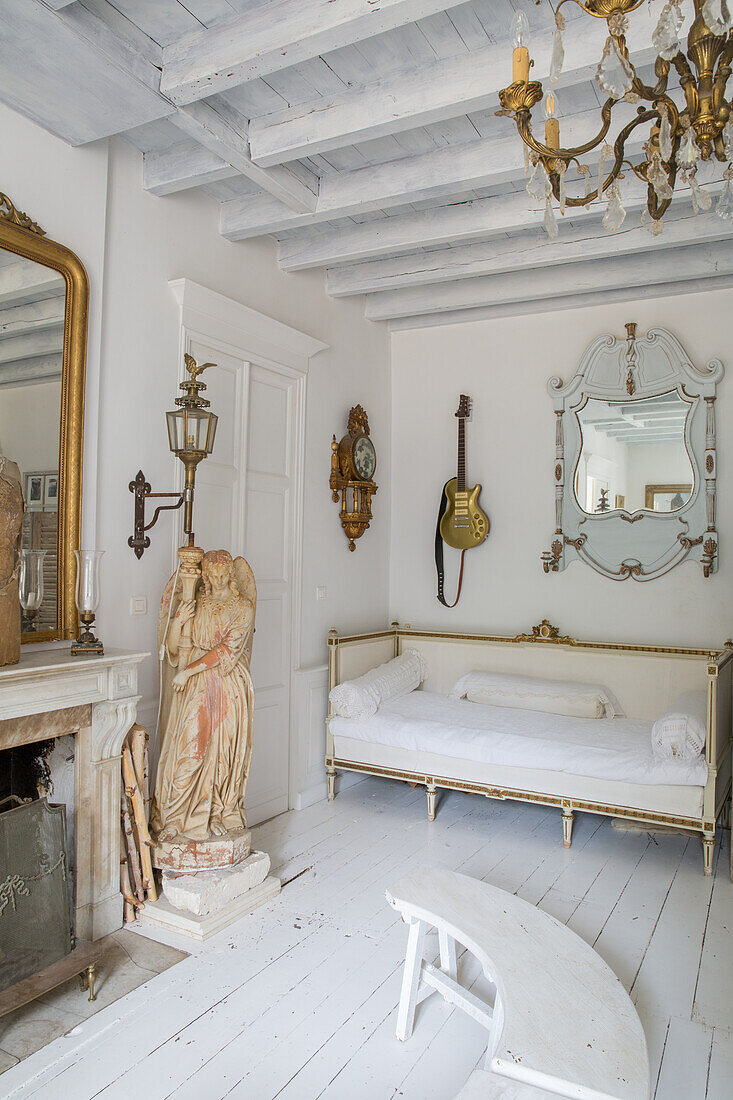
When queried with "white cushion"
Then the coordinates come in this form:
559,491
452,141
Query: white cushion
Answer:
360,698
501,689
681,732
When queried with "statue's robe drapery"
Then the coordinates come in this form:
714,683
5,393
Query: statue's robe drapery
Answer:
207,740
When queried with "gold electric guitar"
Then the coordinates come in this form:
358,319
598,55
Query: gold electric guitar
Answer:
463,524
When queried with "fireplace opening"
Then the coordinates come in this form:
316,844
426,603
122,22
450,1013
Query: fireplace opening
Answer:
35,923
44,769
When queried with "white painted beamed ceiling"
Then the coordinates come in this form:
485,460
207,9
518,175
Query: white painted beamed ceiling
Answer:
362,136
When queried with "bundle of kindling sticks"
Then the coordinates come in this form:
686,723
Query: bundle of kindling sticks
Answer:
137,881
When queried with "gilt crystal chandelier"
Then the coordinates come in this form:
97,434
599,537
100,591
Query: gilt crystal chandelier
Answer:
683,139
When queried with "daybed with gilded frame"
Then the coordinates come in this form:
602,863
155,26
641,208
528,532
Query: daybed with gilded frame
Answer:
645,678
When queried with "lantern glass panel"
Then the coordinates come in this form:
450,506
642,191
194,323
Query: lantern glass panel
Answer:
191,430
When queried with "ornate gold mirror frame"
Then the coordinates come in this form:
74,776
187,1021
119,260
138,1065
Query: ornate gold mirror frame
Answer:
21,235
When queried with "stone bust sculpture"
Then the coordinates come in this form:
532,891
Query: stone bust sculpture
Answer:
207,623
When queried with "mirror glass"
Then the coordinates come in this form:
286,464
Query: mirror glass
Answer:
32,305
633,455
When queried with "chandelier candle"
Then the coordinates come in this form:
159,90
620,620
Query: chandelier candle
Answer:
520,65
552,124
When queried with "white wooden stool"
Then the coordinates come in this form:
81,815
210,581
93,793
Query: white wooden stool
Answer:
561,1020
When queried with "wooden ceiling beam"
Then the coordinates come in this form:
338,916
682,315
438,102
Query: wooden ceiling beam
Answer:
526,252
448,172
188,164
474,220
74,73
276,35
693,265
445,89
220,136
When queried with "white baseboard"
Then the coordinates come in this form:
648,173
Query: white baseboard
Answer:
319,791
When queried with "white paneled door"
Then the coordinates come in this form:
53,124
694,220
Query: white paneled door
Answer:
245,500
268,537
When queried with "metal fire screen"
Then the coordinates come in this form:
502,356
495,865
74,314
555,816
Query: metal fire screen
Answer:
35,927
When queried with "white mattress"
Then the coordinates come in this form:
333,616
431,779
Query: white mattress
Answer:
618,749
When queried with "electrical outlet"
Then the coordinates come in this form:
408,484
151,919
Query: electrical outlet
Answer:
321,592
138,605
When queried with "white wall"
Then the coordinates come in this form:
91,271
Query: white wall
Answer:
132,243
504,365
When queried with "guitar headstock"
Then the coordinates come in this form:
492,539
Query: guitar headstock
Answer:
464,407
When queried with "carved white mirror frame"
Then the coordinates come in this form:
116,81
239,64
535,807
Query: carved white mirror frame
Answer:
643,544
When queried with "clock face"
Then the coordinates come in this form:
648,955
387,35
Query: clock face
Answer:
365,457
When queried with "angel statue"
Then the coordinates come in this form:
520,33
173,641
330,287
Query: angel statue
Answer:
207,623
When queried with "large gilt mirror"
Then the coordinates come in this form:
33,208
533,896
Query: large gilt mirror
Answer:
635,463
43,320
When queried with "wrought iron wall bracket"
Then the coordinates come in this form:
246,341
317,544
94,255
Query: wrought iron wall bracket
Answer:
141,490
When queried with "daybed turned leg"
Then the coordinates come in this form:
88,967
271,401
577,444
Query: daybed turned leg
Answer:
567,827
331,773
411,979
708,846
431,801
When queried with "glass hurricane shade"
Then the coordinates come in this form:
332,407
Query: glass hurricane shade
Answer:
87,579
191,430
30,587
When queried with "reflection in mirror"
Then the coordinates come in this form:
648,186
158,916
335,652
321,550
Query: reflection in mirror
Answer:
32,304
633,455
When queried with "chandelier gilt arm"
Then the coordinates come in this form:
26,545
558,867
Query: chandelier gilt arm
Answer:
524,126
680,139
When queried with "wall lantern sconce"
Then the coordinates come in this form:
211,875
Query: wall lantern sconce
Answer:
191,431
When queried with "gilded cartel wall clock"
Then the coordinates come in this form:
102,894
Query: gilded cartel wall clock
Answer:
353,462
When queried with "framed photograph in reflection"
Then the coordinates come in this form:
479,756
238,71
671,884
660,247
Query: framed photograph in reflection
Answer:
51,493
620,500
34,490
666,498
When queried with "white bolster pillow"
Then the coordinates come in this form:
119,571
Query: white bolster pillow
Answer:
360,698
568,697
680,733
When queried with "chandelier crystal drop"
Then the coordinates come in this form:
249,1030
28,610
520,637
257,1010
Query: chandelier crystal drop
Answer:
558,50
538,185
717,15
658,178
615,214
724,209
683,125
614,74
550,220
666,37
702,200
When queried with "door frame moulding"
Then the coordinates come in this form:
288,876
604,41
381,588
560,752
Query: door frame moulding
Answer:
257,339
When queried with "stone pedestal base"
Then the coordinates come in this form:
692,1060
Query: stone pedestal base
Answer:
209,891
163,915
189,856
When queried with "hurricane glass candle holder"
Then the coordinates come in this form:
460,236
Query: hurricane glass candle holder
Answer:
87,601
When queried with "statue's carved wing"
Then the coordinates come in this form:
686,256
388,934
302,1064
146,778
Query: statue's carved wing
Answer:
246,584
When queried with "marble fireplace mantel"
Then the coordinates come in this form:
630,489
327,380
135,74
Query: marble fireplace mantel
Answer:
49,693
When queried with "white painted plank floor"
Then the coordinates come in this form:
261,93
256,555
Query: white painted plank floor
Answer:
298,1000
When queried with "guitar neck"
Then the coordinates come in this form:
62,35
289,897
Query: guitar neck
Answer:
461,455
